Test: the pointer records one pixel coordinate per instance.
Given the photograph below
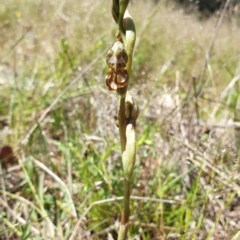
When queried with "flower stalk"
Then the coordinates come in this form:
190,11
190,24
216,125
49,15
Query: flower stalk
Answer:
119,61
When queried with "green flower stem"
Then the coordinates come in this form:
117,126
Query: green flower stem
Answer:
128,158
126,131
126,203
122,233
121,118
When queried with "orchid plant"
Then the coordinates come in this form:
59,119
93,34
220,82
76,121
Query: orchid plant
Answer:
119,62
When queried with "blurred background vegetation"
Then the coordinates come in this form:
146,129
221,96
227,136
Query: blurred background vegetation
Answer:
53,95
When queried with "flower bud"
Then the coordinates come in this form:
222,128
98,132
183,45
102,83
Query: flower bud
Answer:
131,109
